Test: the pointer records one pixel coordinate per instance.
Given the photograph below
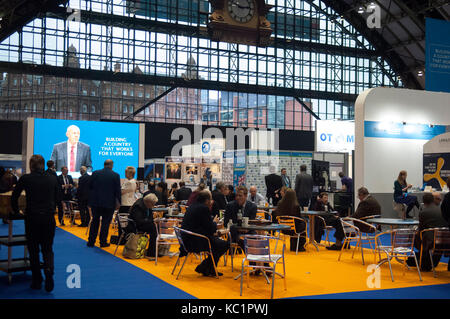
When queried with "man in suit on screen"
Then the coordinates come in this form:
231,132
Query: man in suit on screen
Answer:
72,153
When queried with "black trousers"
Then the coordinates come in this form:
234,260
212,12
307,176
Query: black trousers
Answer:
218,248
65,197
330,221
40,231
106,214
84,212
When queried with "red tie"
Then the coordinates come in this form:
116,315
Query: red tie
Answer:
72,160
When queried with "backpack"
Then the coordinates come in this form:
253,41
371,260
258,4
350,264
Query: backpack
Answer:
135,247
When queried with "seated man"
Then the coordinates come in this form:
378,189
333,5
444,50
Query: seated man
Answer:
183,192
429,217
254,196
198,220
322,205
219,196
142,215
368,206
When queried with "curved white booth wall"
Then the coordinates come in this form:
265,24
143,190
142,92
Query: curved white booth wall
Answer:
379,160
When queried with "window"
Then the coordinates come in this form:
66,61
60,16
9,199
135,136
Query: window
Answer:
93,108
125,108
84,108
167,114
131,108
124,92
140,94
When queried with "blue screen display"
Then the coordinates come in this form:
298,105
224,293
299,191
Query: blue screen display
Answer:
76,143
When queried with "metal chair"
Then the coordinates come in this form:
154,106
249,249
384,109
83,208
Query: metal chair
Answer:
122,223
290,221
69,209
165,234
179,232
326,227
402,246
352,233
257,250
377,227
260,214
183,209
441,244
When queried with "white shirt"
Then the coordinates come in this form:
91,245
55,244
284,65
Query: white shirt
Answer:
69,148
129,198
258,198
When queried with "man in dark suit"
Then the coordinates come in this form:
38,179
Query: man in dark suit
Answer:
42,192
183,192
66,183
51,168
219,196
83,196
142,215
429,217
72,153
239,205
273,186
198,220
368,206
104,197
303,187
285,179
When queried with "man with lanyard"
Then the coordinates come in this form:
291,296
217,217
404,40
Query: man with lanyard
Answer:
66,183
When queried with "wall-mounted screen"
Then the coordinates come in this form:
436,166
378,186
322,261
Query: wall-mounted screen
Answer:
87,143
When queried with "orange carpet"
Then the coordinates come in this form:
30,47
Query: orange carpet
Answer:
308,273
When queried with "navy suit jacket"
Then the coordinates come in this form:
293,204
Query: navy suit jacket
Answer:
83,156
232,209
104,190
61,183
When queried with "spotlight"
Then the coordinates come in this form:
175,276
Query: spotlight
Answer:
361,10
372,5
420,73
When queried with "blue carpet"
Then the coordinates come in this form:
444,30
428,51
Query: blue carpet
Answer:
424,292
103,276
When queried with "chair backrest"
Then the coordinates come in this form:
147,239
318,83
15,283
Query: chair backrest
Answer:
442,240
179,232
349,226
260,214
286,220
67,206
183,208
257,245
403,238
166,226
122,220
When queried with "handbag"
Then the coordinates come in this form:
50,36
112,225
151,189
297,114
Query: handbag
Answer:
135,247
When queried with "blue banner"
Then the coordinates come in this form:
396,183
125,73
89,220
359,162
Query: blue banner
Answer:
437,61
402,131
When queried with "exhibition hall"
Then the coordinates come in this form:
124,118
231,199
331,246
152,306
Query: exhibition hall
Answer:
218,151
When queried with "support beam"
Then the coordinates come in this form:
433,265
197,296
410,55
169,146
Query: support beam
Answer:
307,108
151,102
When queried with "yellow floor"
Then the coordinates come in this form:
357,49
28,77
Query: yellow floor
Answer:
308,273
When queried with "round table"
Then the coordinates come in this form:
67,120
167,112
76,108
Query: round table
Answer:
266,207
263,227
392,222
311,214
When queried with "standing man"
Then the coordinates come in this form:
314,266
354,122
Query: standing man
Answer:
286,180
273,186
51,168
66,185
347,183
183,192
83,196
104,197
303,187
42,192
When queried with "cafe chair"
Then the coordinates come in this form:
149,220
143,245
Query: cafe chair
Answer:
260,214
257,250
290,221
183,209
179,232
326,228
69,209
402,246
441,244
378,227
122,224
165,234
353,233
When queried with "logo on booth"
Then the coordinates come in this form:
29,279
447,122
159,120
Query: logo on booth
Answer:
337,138
206,147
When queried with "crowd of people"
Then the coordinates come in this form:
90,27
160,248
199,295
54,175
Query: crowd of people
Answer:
102,193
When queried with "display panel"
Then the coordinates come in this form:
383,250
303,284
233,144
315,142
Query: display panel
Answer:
77,143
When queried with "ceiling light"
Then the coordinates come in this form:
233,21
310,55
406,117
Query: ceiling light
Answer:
372,5
361,10
420,73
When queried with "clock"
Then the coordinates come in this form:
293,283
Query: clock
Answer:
240,21
241,10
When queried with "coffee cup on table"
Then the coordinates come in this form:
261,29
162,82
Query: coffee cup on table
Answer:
305,209
244,221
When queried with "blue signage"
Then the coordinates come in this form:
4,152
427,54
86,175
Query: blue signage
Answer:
437,57
402,130
206,147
